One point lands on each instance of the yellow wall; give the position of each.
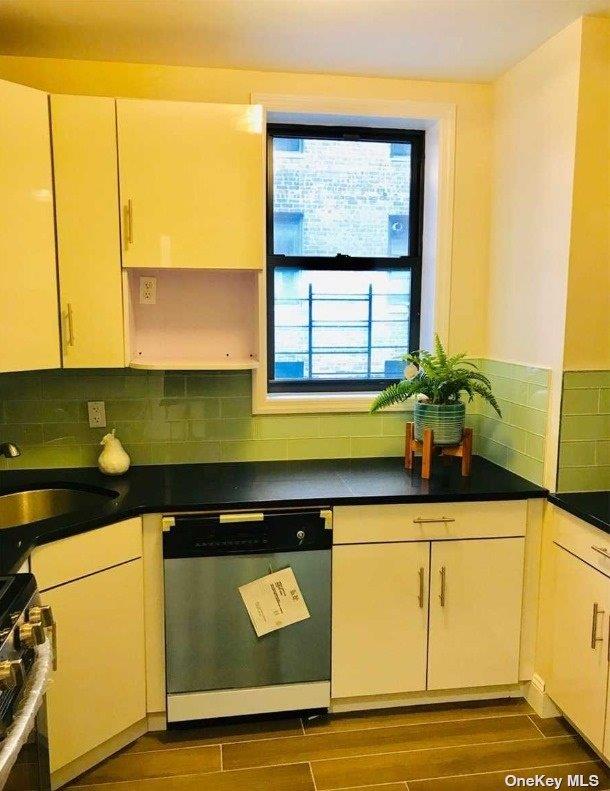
(473, 143)
(535, 112)
(587, 337)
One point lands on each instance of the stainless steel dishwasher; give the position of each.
(216, 666)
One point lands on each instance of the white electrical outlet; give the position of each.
(148, 291)
(97, 414)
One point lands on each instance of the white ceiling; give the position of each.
(436, 39)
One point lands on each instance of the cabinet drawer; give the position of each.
(428, 521)
(70, 558)
(580, 538)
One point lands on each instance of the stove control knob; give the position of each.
(11, 673)
(31, 634)
(41, 615)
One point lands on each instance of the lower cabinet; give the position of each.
(96, 591)
(475, 612)
(580, 646)
(380, 618)
(411, 616)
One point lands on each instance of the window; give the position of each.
(343, 257)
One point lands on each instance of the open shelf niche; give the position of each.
(202, 319)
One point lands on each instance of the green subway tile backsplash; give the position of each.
(182, 417)
(584, 450)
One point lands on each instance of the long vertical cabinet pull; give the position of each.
(70, 318)
(128, 212)
(443, 581)
(420, 597)
(594, 638)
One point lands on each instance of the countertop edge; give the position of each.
(581, 513)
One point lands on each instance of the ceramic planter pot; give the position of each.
(445, 420)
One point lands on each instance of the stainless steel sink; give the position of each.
(22, 508)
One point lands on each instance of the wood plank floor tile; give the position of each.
(379, 740)
(296, 777)
(552, 726)
(223, 733)
(164, 763)
(496, 780)
(430, 763)
(414, 715)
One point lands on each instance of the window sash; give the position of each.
(412, 262)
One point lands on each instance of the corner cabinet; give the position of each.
(191, 184)
(88, 241)
(96, 702)
(427, 597)
(580, 647)
(28, 283)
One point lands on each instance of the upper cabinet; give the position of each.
(88, 241)
(28, 282)
(191, 184)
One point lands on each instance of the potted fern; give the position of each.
(438, 382)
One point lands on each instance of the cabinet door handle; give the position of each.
(443, 582)
(70, 323)
(128, 213)
(421, 521)
(594, 638)
(602, 551)
(420, 597)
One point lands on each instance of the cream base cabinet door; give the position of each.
(475, 612)
(579, 669)
(88, 235)
(28, 282)
(99, 687)
(379, 618)
(192, 184)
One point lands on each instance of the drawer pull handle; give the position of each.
(420, 597)
(239, 517)
(594, 638)
(602, 551)
(421, 521)
(442, 596)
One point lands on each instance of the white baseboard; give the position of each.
(539, 700)
(68, 772)
(339, 705)
(157, 721)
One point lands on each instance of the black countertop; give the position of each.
(593, 507)
(188, 487)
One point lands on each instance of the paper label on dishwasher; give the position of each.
(274, 601)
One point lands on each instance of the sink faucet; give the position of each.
(9, 450)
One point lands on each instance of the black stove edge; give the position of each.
(580, 504)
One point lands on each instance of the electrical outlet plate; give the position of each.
(148, 291)
(97, 414)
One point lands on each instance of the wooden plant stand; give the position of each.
(427, 448)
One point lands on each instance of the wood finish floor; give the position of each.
(443, 748)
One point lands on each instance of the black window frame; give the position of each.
(411, 262)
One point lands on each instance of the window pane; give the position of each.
(340, 325)
(345, 192)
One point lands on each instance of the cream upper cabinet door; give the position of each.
(28, 284)
(475, 612)
(99, 687)
(379, 618)
(579, 659)
(88, 234)
(192, 184)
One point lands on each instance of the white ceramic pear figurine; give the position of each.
(113, 460)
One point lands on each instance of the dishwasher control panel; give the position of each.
(194, 535)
